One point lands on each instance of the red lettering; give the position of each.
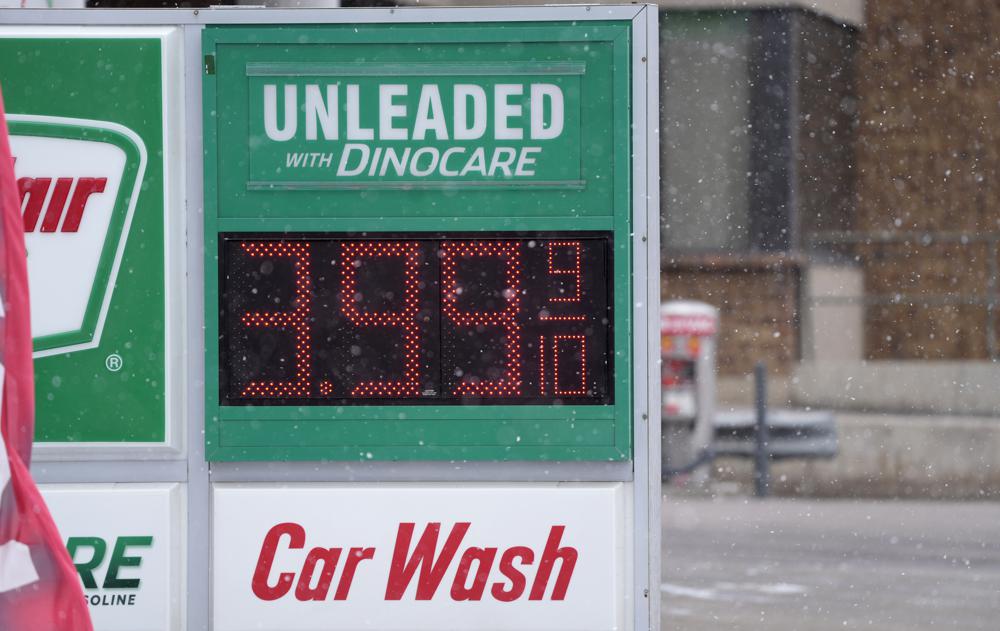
(261, 588)
(56, 205)
(515, 576)
(484, 561)
(425, 562)
(85, 187)
(354, 557)
(431, 571)
(553, 552)
(34, 189)
(329, 558)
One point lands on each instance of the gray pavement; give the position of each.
(817, 565)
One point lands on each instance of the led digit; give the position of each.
(556, 382)
(296, 319)
(354, 254)
(452, 252)
(573, 271)
(541, 365)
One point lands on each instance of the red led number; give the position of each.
(558, 342)
(541, 366)
(353, 256)
(296, 319)
(562, 360)
(559, 350)
(581, 389)
(573, 270)
(452, 254)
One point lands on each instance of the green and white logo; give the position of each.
(101, 192)
(102, 568)
(326, 126)
(78, 181)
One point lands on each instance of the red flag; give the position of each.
(39, 588)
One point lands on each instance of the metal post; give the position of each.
(762, 453)
(992, 285)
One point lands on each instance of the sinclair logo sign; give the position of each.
(414, 125)
(78, 182)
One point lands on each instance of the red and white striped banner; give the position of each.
(39, 588)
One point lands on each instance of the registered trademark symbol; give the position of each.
(113, 362)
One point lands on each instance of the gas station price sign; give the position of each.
(407, 319)
(397, 268)
(418, 242)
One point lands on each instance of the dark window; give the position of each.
(757, 119)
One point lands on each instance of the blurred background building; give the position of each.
(829, 182)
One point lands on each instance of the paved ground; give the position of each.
(782, 565)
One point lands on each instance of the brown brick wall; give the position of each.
(928, 158)
(758, 306)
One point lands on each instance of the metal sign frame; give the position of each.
(188, 464)
(496, 430)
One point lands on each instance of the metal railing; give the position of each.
(766, 435)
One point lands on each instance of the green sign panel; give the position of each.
(85, 117)
(417, 242)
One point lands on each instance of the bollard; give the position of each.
(762, 453)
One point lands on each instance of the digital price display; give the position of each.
(405, 319)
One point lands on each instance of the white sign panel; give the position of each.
(407, 557)
(125, 540)
(69, 192)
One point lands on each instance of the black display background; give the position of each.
(344, 354)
